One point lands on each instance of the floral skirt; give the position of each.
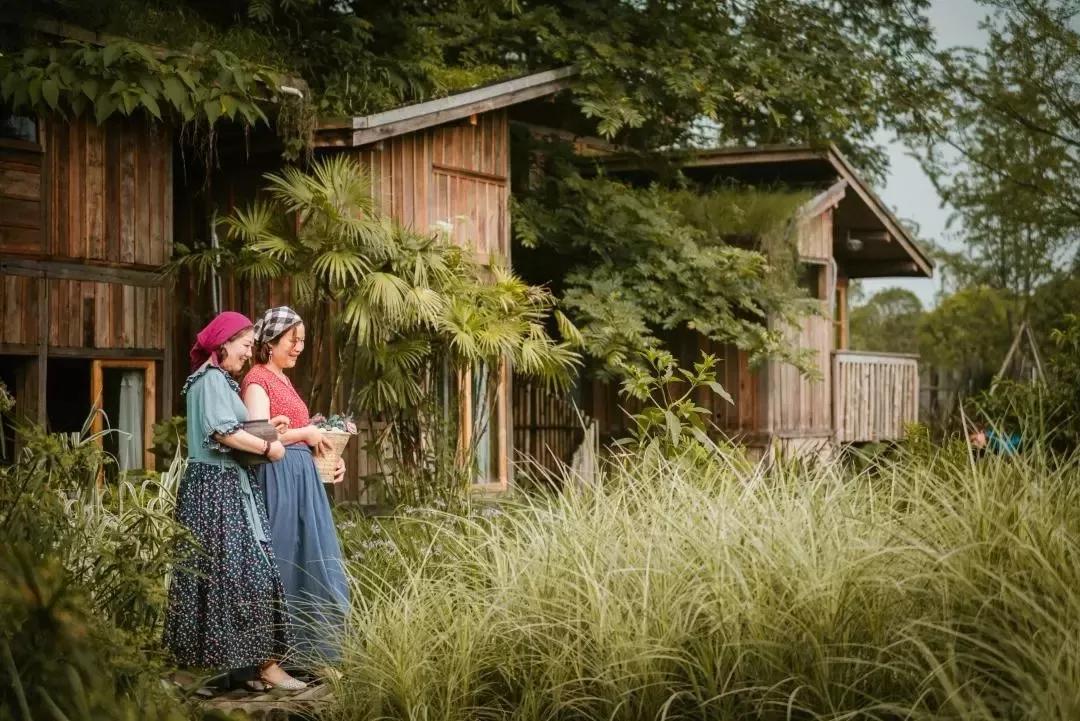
(226, 606)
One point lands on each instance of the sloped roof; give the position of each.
(788, 163)
(365, 129)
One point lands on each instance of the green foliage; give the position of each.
(968, 334)
(199, 86)
(927, 587)
(649, 72)
(671, 420)
(887, 322)
(1000, 137)
(170, 439)
(82, 572)
(633, 263)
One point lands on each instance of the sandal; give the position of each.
(288, 683)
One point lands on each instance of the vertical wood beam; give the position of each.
(43, 347)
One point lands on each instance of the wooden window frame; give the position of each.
(97, 386)
(502, 414)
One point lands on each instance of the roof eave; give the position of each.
(366, 129)
(896, 229)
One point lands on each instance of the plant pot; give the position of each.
(326, 463)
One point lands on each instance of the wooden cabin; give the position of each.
(844, 232)
(445, 160)
(86, 220)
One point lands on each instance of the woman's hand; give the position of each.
(280, 423)
(314, 438)
(339, 472)
(276, 451)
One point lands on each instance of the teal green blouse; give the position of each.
(213, 407)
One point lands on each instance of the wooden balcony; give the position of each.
(874, 395)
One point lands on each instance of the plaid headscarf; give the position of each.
(274, 322)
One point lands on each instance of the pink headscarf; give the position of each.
(218, 331)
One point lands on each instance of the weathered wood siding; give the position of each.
(109, 192)
(21, 212)
(876, 395)
(742, 415)
(92, 200)
(798, 405)
(87, 314)
(548, 426)
(816, 237)
(457, 173)
(19, 310)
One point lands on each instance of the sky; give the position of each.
(907, 190)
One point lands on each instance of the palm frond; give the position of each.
(339, 268)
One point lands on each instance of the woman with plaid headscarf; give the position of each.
(302, 529)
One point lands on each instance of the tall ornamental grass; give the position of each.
(920, 587)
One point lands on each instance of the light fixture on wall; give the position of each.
(853, 244)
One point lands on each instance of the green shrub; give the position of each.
(82, 584)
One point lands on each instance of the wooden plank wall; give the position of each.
(19, 311)
(797, 405)
(86, 314)
(109, 192)
(743, 416)
(816, 236)
(96, 197)
(457, 173)
(876, 396)
(21, 211)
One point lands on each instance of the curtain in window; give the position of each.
(482, 424)
(130, 421)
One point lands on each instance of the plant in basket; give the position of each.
(337, 429)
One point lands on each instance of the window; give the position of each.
(18, 127)
(483, 419)
(813, 278)
(124, 393)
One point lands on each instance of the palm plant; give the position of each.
(399, 310)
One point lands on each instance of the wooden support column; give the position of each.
(43, 348)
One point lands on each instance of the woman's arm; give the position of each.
(308, 434)
(256, 401)
(243, 441)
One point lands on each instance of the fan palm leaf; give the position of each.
(339, 268)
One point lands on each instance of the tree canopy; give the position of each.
(758, 70)
(998, 132)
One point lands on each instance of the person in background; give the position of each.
(226, 607)
(995, 441)
(301, 525)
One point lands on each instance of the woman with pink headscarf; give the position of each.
(226, 608)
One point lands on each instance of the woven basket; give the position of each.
(326, 463)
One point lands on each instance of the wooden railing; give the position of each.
(874, 395)
(548, 428)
